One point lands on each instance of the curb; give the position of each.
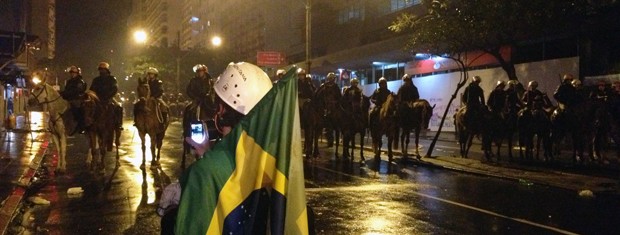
(613, 189)
(12, 202)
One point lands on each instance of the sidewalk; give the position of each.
(21, 154)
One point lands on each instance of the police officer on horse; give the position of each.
(534, 98)
(156, 87)
(106, 87)
(566, 94)
(74, 93)
(408, 92)
(329, 98)
(497, 98)
(200, 88)
(352, 98)
(306, 88)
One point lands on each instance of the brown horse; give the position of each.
(357, 122)
(579, 123)
(532, 123)
(414, 116)
(384, 123)
(149, 121)
(310, 121)
(472, 122)
(99, 118)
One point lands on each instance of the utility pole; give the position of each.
(308, 35)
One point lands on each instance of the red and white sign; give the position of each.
(270, 58)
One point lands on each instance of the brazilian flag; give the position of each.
(252, 181)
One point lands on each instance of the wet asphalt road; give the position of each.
(379, 198)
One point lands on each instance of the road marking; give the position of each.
(373, 187)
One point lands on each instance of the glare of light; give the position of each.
(194, 19)
(36, 80)
(216, 41)
(379, 224)
(123, 99)
(140, 36)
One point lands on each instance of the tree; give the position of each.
(487, 25)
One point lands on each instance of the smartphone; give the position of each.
(198, 135)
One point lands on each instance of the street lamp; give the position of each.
(140, 36)
(216, 41)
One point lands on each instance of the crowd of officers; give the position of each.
(508, 96)
(105, 87)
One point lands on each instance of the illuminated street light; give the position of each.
(36, 80)
(140, 36)
(216, 41)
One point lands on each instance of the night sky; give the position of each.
(88, 30)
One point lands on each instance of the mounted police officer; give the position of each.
(200, 87)
(352, 98)
(305, 88)
(408, 92)
(566, 94)
(329, 97)
(156, 87)
(74, 92)
(534, 98)
(497, 98)
(380, 95)
(513, 98)
(106, 87)
(473, 96)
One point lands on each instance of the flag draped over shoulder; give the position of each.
(254, 173)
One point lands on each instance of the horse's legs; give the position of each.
(143, 147)
(417, 142)
(362, 135)
(153, 149)
(470, 139)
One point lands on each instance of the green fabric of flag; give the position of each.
(224, 192)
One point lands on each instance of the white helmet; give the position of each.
(242, 85)
(199, 67)
(152, 70)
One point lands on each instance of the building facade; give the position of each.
(160, 19)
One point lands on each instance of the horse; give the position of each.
(475, 121)
(149, 121)
(44, 95)
(99, 118)
(578, 123)
(384, 123)
(310, 119)
(356, 123)
(414, 116)
(534, 122)
(203, 111)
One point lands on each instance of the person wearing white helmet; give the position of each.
(352, 98)
(238, 89)
(566, 94)
(408, 92)
(534, 98)
(200, 89)
(497, 98)
(106, 87)
(328, 97)
(156, 88)
(306, 89)
(513, 98)
(74, 92)
(473, 96)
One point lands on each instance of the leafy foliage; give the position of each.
(452, 26)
